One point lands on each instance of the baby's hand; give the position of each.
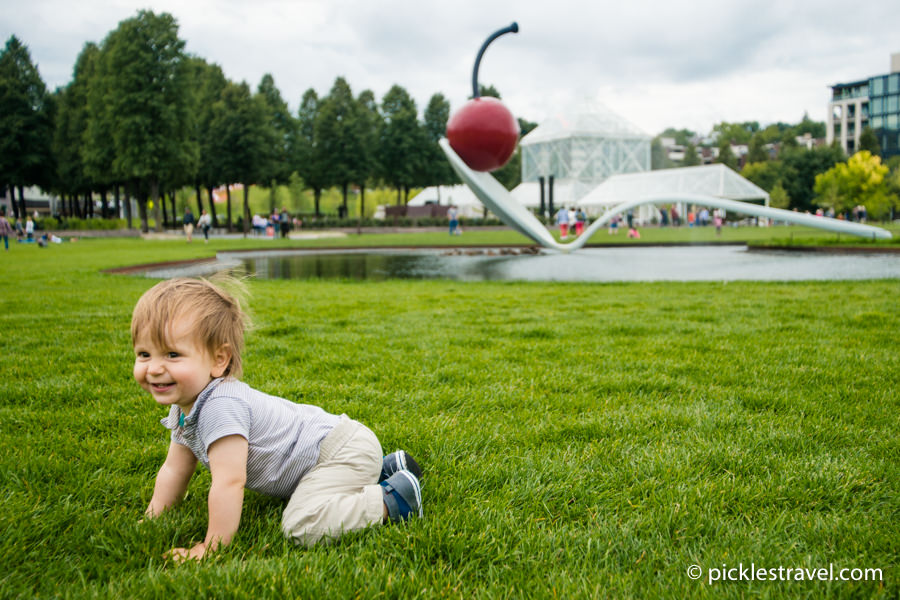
(180, 555)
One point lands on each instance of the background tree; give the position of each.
(367, 165)
(860, 180)
(801, 167)
(437, 169)
(147, 104)
(307, 158)
(757, 151)
(398, 140)
(26, 127)
(209, 85)
(277, 168)
(340, 138)
(726, 155)
(243, 135)
(778, 197)
(868, 140)
(691, 158)
(736, 133)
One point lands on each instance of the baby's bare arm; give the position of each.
(172, 479)
(228, 466)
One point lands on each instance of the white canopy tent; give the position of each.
(460, 196)
(716, 180)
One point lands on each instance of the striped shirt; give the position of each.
(283, 437)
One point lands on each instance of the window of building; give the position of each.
(893, 83)
(877, 86)
(890, 121)
(876, 122)
(891, 104)
(877, 105)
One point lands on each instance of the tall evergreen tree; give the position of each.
(147, 99)
(277, 166)
(368, 122)
(437, 170)
(398, 136)
(340, 137)
(310, 166)
(243, 133)
(26, 128)
(209, 85)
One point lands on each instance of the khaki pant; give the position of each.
(341, 493)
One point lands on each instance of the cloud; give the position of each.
(657, 62)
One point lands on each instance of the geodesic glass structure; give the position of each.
(582, 147)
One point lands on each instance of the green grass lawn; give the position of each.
(578, 440)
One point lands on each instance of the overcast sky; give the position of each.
(657, 63)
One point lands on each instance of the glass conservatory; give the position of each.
(580, 147)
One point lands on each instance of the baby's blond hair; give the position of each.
(216, 316)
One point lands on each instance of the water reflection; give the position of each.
(694, 263)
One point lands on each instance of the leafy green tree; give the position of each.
(488, 90)
(691, 158)
(802, 166)
(860, 180)
(726, 155)
(284, 126)
(778, 197)
(209, 85)
(736, 133)
(398, 139)
(868, 141)
(145, 90)
(682, 137)
(815, 129)
(757, 151)
(768, 174)
(243, 134)
(437, 170)
(340, 137)
(26, 128)
(310, 165)
(369, 121)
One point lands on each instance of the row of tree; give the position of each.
(142, 118)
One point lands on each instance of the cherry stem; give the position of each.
(514, 28)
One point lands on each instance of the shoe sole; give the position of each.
(417, 490)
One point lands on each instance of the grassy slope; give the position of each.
(578, 439)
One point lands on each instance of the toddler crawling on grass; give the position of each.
(188, 335)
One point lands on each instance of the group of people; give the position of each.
(204, 223)
(24, 231)
(570, 219)
(280, 222)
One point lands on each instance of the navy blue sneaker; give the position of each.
(398, 461)
(402, 496)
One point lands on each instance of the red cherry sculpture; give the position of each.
(483, 132)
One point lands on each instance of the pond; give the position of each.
(644, 263)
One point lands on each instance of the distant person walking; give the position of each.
(29, 230)
(284, 219)
(453, 216)
(580, 219)
(5, 229)
(205, 223)
(562, 219)
(188, 223)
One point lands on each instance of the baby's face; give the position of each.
(178, 372)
